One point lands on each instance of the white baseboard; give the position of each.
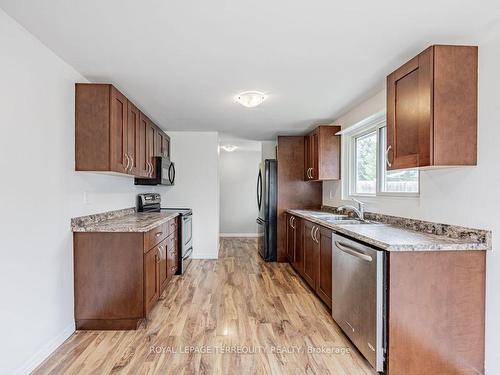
(239, 235)
(42, 354)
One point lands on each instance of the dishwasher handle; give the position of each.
(352, 251)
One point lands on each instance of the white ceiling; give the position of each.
(182, 61)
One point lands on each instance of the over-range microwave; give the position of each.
(165, 173)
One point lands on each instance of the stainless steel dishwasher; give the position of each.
(358, 295)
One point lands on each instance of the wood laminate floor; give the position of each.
(219, 307)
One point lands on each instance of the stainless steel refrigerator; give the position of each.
(267, 188)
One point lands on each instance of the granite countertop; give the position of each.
(121, 221)
(395, 238)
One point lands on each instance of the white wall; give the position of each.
(195, 155)
(40, 193)
(238, 183)
(464, 196)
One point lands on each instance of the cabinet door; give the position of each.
(309, 256)
(162, 250)
(150, 147)
(290, 238)
(118, 132)
(166, 146)
(158, 142)
(307, 157)
(172, 255)
(409, 113)
(162, 144)
(133, 139)
(151, 278)
(143, 168)
(314, 150)
(324, 271)
(298, 264)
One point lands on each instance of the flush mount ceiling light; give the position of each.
(250, 99)
(229, 148)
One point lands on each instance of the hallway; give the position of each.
(234, 315)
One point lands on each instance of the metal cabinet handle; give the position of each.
(312, 177)
(128, 162)
(312, 232)
(150, 169)
(158, 234)
(352, 251)
(309, 175)
(290, 221)
(387, 156)
(315, 235)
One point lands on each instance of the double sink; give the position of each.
(336, 218)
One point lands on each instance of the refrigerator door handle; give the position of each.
(259, 189)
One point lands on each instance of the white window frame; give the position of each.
(369, 125)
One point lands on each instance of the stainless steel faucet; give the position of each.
(360, 211)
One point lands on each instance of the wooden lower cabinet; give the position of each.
(436, 312)
(294, 242)
(120, 276)
(312, 249)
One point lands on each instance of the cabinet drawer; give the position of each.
(155, 236)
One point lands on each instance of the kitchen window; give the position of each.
(368, 174)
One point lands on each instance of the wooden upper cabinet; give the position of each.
(432, 109)
(322, 154)
(112, 135)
